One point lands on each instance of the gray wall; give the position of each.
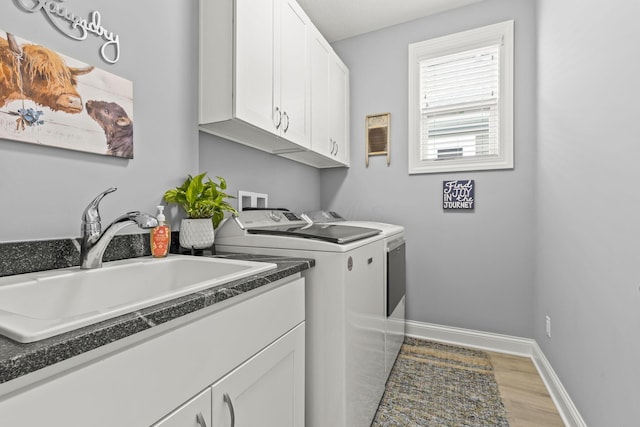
(288, 184)
(471, 270)
(561, 208)
(43, 190)
(587, 277)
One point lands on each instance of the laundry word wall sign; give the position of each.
(458, 194)
(76, 27)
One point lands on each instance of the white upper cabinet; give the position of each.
(255, 67)
(293, 85)
(271, 85)
(254, 73)
(320, 52)
(329, 107)
(257, 81)
(339, 109)
(338, 117)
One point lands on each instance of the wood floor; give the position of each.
(523, 393)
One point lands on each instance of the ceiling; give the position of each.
(340, 19)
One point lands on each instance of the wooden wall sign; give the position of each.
(378, 130)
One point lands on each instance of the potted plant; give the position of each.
(205, 205)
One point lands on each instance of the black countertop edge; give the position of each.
(18, 359)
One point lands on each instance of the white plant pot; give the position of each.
(196, 233)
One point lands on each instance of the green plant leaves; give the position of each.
(202, 199)
(195, 190)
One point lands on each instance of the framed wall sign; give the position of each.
(51, 99)
(378, 136)
(458, 194)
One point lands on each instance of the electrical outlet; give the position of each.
(249, 199)
(548, 326)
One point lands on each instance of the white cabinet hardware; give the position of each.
(194, 413)
(200, 420)
(232, 412)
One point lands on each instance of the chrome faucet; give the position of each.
(94, 242)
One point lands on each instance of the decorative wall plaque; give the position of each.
(50, 99)
(459, 194)
(75, 26)
(378, 129)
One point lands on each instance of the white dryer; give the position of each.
(345, 328)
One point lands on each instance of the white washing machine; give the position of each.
(345, 329)
(394, 299)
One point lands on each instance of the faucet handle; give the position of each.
(91, 213)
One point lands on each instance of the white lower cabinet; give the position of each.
(266, 390)
(250, 348)
(194, 413)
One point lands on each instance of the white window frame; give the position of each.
(501, 33)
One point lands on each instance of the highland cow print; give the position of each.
(44, 99)
(39, 74)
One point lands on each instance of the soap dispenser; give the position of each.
(160, 236)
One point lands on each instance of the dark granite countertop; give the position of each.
(18, 359)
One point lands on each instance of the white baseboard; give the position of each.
(567, 409)
(504, 344)
(470, 338)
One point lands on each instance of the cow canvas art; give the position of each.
(50, 99)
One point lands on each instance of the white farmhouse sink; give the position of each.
(39, 305)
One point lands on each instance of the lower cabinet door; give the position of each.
(267, 390)
(195, 413)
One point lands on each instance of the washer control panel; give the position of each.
(269, 217)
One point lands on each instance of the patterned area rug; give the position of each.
(438, 385)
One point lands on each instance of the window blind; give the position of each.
(459, 96)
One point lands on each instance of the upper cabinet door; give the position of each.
(339, 108)
(329, 101)
(255, 65)
(320, 52)
(272, 83)
(292, 80)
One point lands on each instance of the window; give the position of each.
(461, 101)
